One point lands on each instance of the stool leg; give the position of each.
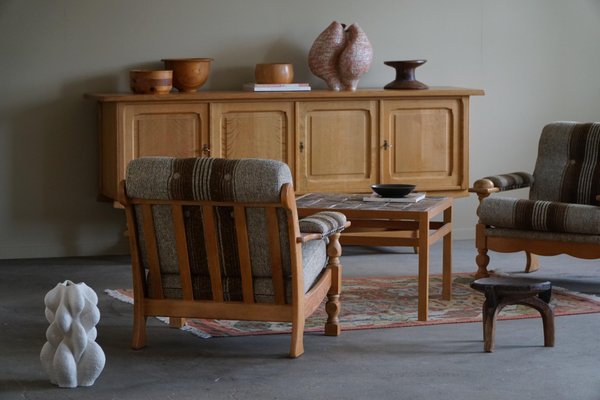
(484, 317)
(490, 312)
(547, 317)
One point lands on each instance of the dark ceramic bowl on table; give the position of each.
(392, 190)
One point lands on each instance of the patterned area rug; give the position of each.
(391, 302)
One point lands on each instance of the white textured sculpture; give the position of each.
(71, 357)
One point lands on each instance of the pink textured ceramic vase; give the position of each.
(356, 57)
(340, 56)
(324, 53)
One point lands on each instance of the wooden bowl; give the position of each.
(274, 73)
(189, 74)
(150, 82)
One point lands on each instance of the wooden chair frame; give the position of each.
(302, 304)
(531, 247)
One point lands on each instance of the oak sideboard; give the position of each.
(332, 141)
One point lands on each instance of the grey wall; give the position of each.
(537, 60)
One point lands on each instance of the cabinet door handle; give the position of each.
(206, 150)
(386, 145)
(301, 147)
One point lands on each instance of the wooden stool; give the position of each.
(500, 292)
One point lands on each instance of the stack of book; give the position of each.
(409, 198)
(276, 87)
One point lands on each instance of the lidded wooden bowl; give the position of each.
(150, 82)
(189, 74)
(277, 73)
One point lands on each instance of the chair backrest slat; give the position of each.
(275, 253)
(212, 252)
(185, 276)
(241, 230)
(152, 251)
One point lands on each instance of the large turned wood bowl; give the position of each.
(189, 74)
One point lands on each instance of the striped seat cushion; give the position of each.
(538, 215)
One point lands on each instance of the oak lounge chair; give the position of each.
(561, 215)
(215, 238)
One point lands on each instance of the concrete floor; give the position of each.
(440, 361)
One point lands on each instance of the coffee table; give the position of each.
(386, 224)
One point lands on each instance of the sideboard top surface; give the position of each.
(310, 95)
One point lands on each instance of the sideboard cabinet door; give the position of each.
(177, 130)
(336, 146)
(424, 142)
(252, 130)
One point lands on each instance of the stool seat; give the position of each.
(500, 292)
(512, 284)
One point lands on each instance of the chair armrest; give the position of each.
(324, 223)
(500, 183)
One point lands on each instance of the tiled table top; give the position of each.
(344, 201)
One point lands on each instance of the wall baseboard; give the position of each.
(72, 250)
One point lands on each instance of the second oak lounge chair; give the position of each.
(561, 215)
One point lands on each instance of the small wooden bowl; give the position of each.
(189, 74)
(274, 73)
(150, 82)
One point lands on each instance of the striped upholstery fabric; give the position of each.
(564, 185)
(538, 235)
(515, 180)
(567, 167)
(247, 180)
(325, 222)
(538, 215)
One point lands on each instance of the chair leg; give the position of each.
(176, 322)
(138, 339)
(482, 259)
(297, 346)
(533, 262)
(332, 307)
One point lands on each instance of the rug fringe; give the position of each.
(196, 332)
(119, 296)
(126, 299)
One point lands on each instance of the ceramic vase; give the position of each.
(71, 357)
(340, 56)
(325, 52)
(356, 57)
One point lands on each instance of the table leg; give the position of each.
(447, 258)
(423, 307)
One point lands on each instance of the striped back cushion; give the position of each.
(246, 180)
(568, 163)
